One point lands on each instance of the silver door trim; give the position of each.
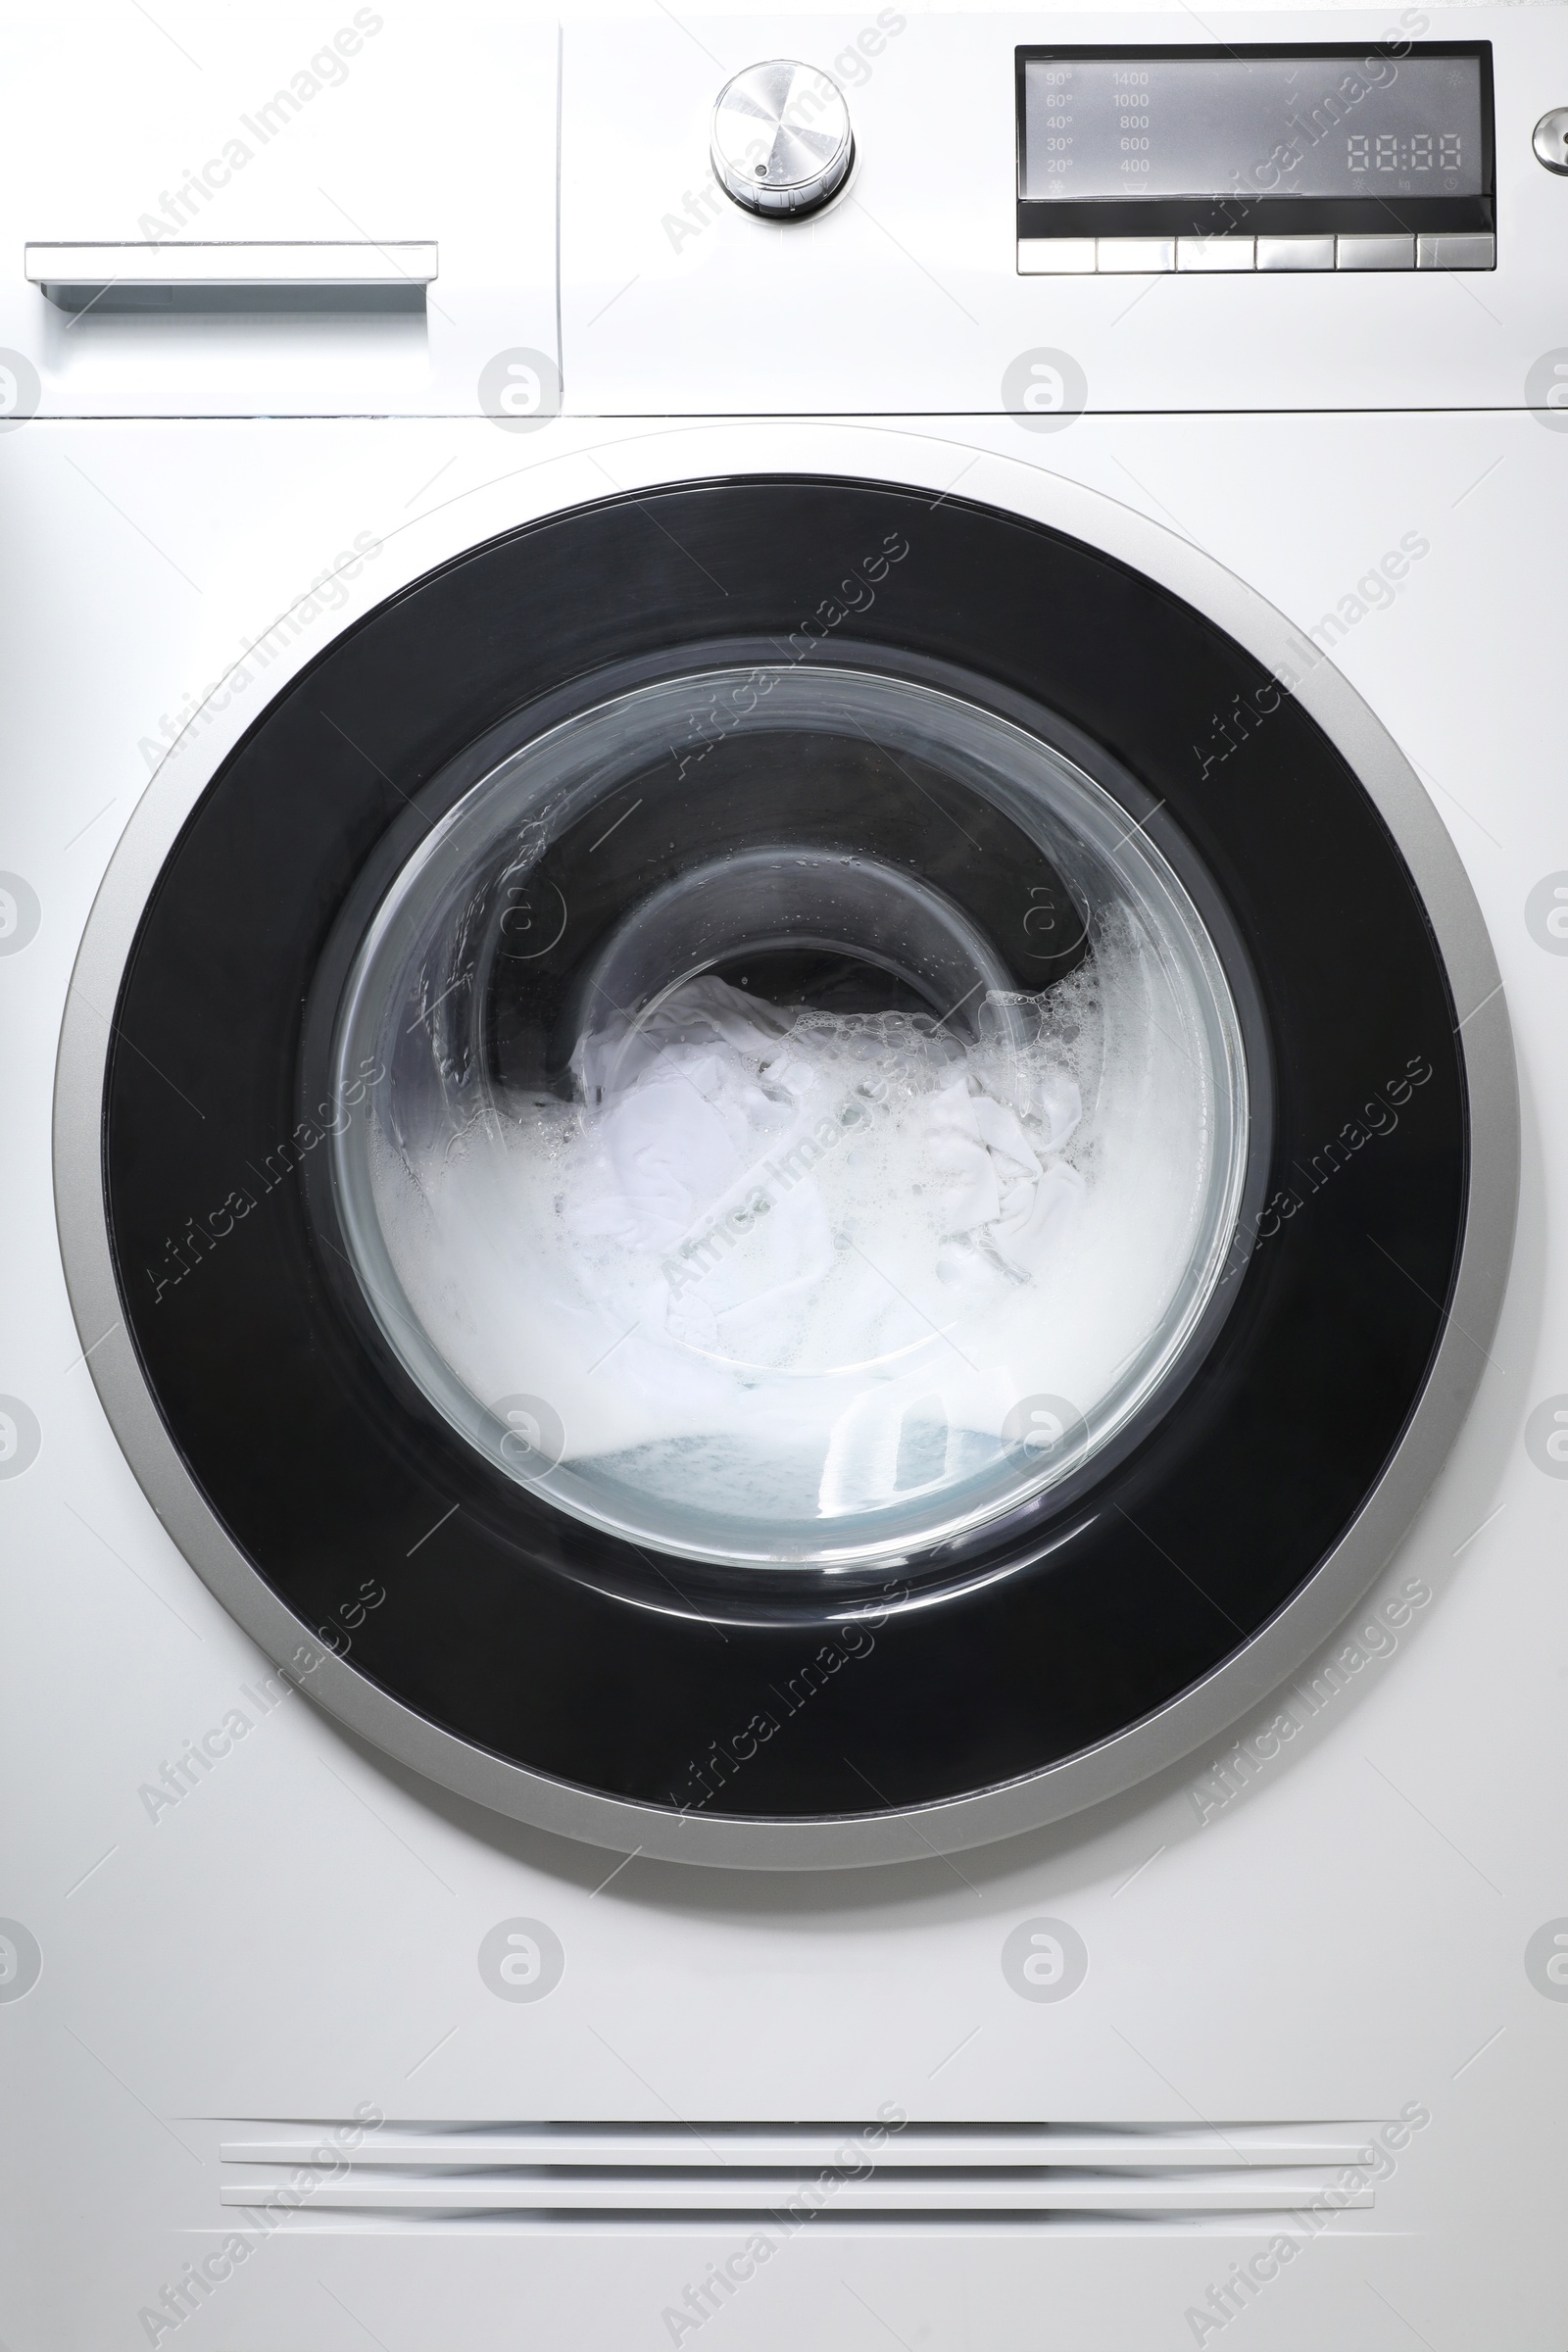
(1201, 1713)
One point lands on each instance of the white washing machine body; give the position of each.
(327, 2018)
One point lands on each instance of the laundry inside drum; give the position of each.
(794, 1141)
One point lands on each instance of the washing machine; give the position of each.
(782, 949)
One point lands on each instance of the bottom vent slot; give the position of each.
(932, 2172)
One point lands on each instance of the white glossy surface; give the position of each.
(1324, 1928)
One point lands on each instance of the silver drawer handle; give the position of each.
(68, 273)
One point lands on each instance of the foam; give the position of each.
(794, 1266)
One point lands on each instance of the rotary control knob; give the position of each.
(1550, 141)
(781, 140)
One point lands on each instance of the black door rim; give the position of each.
(992, 1548)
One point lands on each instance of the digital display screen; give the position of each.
(1353, 124)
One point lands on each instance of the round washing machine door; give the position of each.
(814, 1225)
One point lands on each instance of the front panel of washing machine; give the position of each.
(575, 1089)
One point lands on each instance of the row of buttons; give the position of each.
(1082, 256)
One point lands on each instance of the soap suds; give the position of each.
(788, 1266)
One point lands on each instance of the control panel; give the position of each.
(894, 211)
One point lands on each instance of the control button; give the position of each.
(1453, 252)
(1375, 253)
(1215, 253)
(1141, 254)
(781, 142)
(1055, 257)
(1550, 140)
(1296, 253)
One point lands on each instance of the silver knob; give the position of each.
(1550, 141)
(781, 139)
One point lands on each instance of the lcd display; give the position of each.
(1353, 124)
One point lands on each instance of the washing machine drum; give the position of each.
(753, 1159)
